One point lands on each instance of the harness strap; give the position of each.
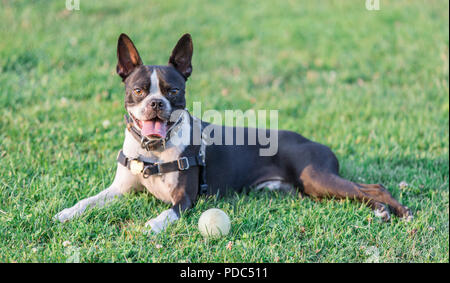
(203, 187)
(138, 166)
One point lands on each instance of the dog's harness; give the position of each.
(141, 166)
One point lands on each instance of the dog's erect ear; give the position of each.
(127, 56)
(182, 55)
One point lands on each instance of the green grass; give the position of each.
(371, 85)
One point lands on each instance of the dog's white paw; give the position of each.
(159, 223)
(66, 214)
(154, 226)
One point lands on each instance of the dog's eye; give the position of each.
(137, 91)
(174, 91)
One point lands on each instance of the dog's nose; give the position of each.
(157, 104)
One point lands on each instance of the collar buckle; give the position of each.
(183, 163)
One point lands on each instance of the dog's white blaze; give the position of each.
(154, 83)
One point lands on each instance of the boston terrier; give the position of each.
(167, 152)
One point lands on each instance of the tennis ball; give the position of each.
(214, 223)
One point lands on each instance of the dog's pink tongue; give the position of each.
(154, 128)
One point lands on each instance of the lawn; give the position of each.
(372, 85)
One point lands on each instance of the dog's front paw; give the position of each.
(157, 224)
(154, 226)
(65, 215)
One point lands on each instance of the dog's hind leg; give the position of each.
(319, 183)
(123, 182)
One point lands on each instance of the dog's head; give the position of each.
(153, 94)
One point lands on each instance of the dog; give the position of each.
(160, 154)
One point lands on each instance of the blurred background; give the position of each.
(372, 85)
(334, 62)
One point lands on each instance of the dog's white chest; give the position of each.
(161, 186)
